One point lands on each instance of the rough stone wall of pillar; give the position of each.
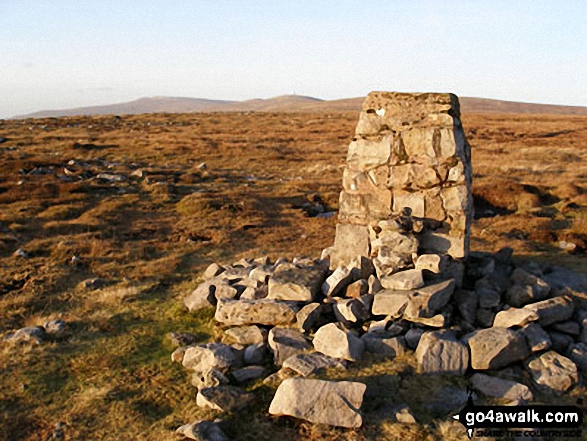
(409, 151)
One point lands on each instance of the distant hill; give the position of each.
(290, 103)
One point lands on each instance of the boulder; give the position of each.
(335, 403)
(514, 317)
(335, 342)
(202, 431)
(499, 388)
(434, 263)
(224, 398)
(385, 347)
(285, 342)
(440, 352)
(552, 372)
(245, 335)
(536, 337)
(262, 312)
(309, 363)
(495, 348)
(350, 311)
(308, 316)
(297, 283)
(428, 301)
(404, 280)
(212, 271)
(553, 310)
(389, 302)
(338, 281)
(203, 358)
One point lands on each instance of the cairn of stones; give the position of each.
(399, 278)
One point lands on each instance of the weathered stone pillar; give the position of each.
(409, 151)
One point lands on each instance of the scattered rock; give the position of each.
(440, 352)
(182, 338)
(209, 378)
(177, 355)
(212, 271)
(55, 327)
(428, 301)
(357, 289)
(254, 354)
(320, 402)
(95, 283)
(404, 280)
(537, 338)
(285, 342)
(514, 317)
(209, 356)
(202, 431)
(552, 372)
(499, 388)
(29, 334)
(553, 310)
(333, 341)
(401, 414)
(308, 317)
(224, 398)
(413, 337)
(338, 281)
(246, 335)
(350, 311)
(495, 348)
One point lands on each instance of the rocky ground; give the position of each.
(108, 223)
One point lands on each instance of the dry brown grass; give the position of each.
(149, 237)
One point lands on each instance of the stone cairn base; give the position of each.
(399, 278)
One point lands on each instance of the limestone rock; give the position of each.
(390, 302)
(489, 292)
(552, 372)
(202, 297)
(28, 334)
(578, 354)
(285, 342)
(434, 263)
(537, 338)
(570, 327)
(386, 347)
(298, 283)
(202, 431)
(527, 288)
(337, 282)
(485, 317)
(320, 402)
(350, 311)
(428, 301)
(254, 353)
(357, 289)
(333, 341)
(209, 378)
(401, 414)
(404, 280)
(499, 388)
(248, 373)
(308, 316)
(212, 271)
(413, 337)
(262, 312)
(467, 302)
(440, 352)
(308, 363)
(514, 317)
(183, 338)
(560, 341)
(495, 348)
(374, 284)
(209, 356)
(55, 327)
(224, 398)
(177, 355)
(245, 335)
(553, 310)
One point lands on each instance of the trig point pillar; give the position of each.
(407, 182)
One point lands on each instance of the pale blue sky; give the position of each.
(70, 53)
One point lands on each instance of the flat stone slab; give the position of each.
(261, 312)
(553, 310)
(306, 364)
(335, 403)
(514, 317)
(404, 280)
(499, 388)
(390, 302)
